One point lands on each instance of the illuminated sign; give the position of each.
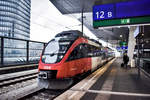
(122, 43)
(123, 13)
(103, 12)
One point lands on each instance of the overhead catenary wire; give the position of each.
(48, 19)
(43, 26)
(52, 21)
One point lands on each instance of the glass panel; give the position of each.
(10, 43)
(35, 50)
(14, 51)
(0, 50)
(34, 45)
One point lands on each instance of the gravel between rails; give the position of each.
(20, 92)
(13, 81)
(16, 86)
(44, 95)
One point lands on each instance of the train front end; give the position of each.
(52, 72)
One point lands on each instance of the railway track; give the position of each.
(49, 94)
(31, 92)
(23, 85)
(30, 89)
(8, 79)
(24, 78)
(43, 94)
(14, 81)
(21, 91)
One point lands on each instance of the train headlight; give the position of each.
(43, 58)
(60, 57)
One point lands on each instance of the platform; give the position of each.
(17, 68)
(110, 82)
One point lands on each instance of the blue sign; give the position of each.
(124, 47)
(118, 48)
(135, 8)
(103, 12)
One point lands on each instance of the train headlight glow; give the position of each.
(60, 57)
(43, 58)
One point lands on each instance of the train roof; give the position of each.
(95, 41)
(75, 33)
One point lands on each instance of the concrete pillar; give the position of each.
(131, 45)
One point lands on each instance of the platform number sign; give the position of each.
(103, 12)
(122, 13)
(103, 15)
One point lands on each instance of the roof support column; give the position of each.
(131, 45)
(82, 20)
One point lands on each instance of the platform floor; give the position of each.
(115, 83)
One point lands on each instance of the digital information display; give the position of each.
(123, 13)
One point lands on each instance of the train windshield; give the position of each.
(55, 50)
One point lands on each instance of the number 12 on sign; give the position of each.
(102, 12)
(104, 15)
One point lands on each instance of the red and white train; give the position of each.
(67, 55)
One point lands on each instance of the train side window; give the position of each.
(81, 51)
(73, 55)
(77, 53)
(84, 50)
(90, 51)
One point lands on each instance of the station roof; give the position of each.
(74, 8)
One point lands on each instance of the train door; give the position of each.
(81, 60)
(78, 58)
(71, 61)
(87, 58)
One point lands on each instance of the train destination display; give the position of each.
(123, 13)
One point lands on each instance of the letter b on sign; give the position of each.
(109, 14)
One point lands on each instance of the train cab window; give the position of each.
(50, 54)
(55, 50)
